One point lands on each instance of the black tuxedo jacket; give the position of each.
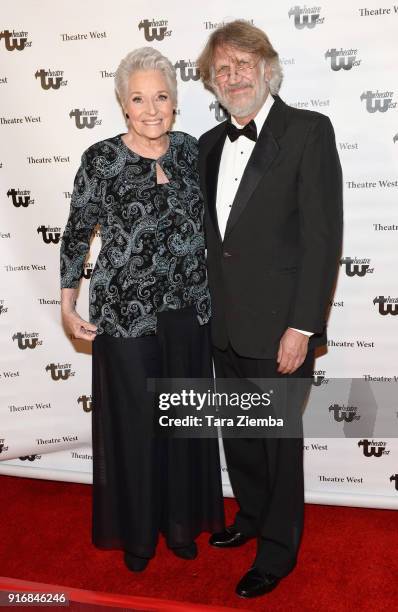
(277, 264)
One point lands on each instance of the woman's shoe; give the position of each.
(186, 552)
(135, 564)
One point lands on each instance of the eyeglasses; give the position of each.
(242, 67)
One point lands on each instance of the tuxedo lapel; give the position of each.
(264, 153)
(212, 169)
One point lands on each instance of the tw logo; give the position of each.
(219, 112)
(376, 101)
(386, 305)
(15, 40)
(86, 402)
(304, 17)
(49, 235)
(85, 119)
(29, 457)
(354, 267)
(49, 79)
(20, 197)
(87, 270)
(188, 70)
(342, 59)
(394, 477)
(370, 449)
(59, 372)
(27, 340)
(154, 30)
(318, 378)
(341, 413)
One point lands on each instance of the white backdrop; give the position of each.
(56, 82)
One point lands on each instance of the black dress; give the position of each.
(150, 301)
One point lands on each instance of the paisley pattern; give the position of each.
(152, 256)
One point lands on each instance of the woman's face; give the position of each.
(149, 104)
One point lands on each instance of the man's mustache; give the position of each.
(240, 86)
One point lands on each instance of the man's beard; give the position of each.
(245, 108)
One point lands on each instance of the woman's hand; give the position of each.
(75, 325)
(78, 327)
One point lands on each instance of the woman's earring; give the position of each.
(127, 116)
(174, 111)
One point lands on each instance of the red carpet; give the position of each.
(348, 558)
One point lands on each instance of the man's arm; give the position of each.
(321, 217)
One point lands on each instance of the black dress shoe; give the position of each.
(186, 552)
(254, 584)
(135, 564)
(229, 538)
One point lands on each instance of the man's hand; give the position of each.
(292, 351)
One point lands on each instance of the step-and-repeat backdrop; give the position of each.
(57, 63)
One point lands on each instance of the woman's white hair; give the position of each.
(144, 58)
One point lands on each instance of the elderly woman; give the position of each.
(149, 309)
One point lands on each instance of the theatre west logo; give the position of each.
(188, 70)
(3, 308)
(305, 17)
(3, 446)
(319, 378)
(15, 41)
(86, 402)
(356, 266)
(393, 478)
(372, 448)
(387, 305)
(87, 270)
(20, 197)
(220, 113)
(60, 371)
(30, 457)
(342, 58)
(27, 340)
(378, 100)
(156, 29)
(85, 118)
(344, 413)
(49, 234)
(50, 79)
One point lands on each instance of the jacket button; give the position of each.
(226, 254)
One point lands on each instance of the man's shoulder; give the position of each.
(304, 116)
(207, 138)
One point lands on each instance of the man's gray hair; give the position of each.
(144, 58)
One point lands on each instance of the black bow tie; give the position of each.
(250, 131)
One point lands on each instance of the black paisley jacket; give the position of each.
(152, 256)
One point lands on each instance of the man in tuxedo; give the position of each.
(271, 180)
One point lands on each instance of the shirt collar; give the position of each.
(261, 116)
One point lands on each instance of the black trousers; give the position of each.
(145, 484)
(266, 474)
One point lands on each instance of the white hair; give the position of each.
(275, 81)
(144, 58)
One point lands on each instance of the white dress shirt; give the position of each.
(234, 158)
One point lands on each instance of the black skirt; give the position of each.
(144, 484)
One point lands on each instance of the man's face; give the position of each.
(240, 80)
